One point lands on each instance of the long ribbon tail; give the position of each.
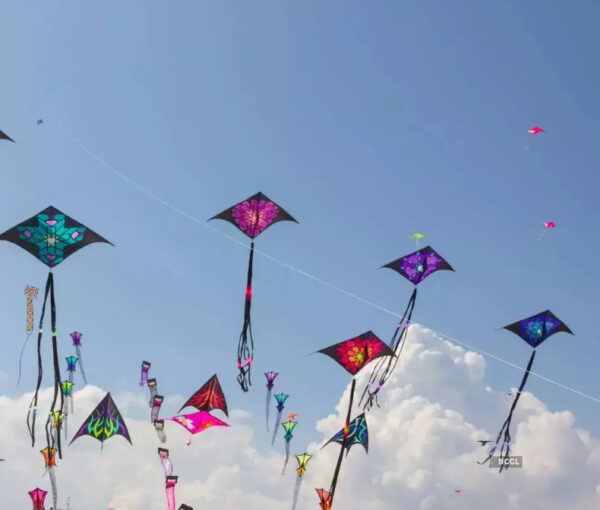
(379, 375)
(505, 430)
(246, 342)
(162, 436)
(153, 392)
(287, 457)
(277, 423)
(296, 492)
(78, 352)
(268, 406)
(53, 484)
(343, 446)
(32, 412)
(171, 498)
(540, 236)
(21, 357)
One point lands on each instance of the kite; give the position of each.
(280, 398)
(166, 463)
(197, 422)
(185, 507)
(415, 267)
(153, 390)
(159, 427)
(4, 136)
(49, 455)
(104, 422)
(57, 419)
(67, 391)
(353, 355)
(30, 294)
(417, 237)
(170, 483)
(324, 499)
(39, 121)
(288, 426)
(71, 366)
(76, 337)
(252, 216)
(156, 404)
(548, 225)
(534, 330)
(302, 462)
(356, 433)
(144, 375)
(270, 383)
(50, 236)
(534, 131)
(38, 496)
(209, 397)
(292, 416)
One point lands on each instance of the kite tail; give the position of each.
(53, 484)
(245, 348)
(162, 436)
(269, 391)
(29, 329)
(21, 356)
(287, 457)
(540, 236)
(170, 491)
(277, 423)
(343, 446)
(380, 375)
(78, 352)
(153, 392)
(505, 430)
(155, 411)
(296, 492)
(32, 412)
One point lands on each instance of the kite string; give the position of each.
(316, 279)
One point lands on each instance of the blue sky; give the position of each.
(366, 121)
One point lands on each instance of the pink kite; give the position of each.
(549, 224)
(198, 422)
(536, 130)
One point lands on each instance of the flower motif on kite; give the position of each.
(51, 236)
(419, 265)
(537, 328)
(254, 215)
(104, 422)
(198, 421)
(355, 353)
(357, 433)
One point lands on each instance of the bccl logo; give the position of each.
(513, 462)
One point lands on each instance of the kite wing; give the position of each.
(418, 265)
(4, 136)
(254, 215)
(353, 354)
(209, 397)
(358, 433)
(537, 328)
(51, 236)
(104, 422)
(197, 422)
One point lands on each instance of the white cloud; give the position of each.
(421, 449)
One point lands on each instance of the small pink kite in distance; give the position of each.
(457, 491)
(549, 224)
(535, 130)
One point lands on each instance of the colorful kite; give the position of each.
(415, 267)
(30, 294)
(104, 422)
(144, 375)
(353, 355)
(280, 398)
(534, 131)
(252, 216)
(165, 462)
(209, 397)
(270, 383)
(49, 455)
(417, 237)
(197, 422)
(4, 136)
(292, 416)
(324, 499)
(156, 404)
(67, 391)
(57, 419)
(38, 496)
(159, 427)
(170, 483)
(302, 462)
(76, 337)
(357, 433)
(152, 386)
(51, 237)
(534, 330)
(548, 225)
(288, 426)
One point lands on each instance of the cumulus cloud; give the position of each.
(421, 449)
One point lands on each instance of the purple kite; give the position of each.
(270, 383)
